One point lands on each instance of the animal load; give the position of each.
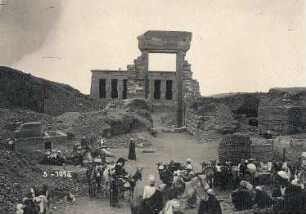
(234, 147)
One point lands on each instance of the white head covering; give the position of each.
(251, 167)
(210, 192)
(189, 167)
(259, 188)
(151, 179)
(283, 175)
(296, 183)
(285, 166)
(188, 160)
(243, 184)
(161, 167)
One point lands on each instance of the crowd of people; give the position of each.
(286, 193)
(282, 192)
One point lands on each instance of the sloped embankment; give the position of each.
(119, 117)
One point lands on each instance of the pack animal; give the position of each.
(91, 175)
(128, 185)
(198, 185)
(106, 179)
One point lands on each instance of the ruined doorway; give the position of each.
(102, 88)
(157, 91)
(162, 62)
(114, 91)
(165, 42)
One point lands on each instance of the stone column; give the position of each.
(151, 89)
(174, 91)
(145, 56)
(162, 90)
(120, 89)
(180, 99)
(95, 84)
(108, 88)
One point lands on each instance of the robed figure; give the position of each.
(132, 150)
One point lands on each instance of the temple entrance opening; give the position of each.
(160, 74)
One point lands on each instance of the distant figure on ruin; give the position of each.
(11, 144)
(132, 150)
(83, 141)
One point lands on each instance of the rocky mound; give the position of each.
(210, 117)
(119, 117)
(18, 175)
(10, 118)
(20, 90)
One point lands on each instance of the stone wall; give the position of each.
(283, 111)
(234, 148)
(58, 106)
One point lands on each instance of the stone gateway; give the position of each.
(160, 87)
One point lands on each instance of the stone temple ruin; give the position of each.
(160, 87)
(30, 137)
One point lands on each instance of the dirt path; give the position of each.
(167, 147)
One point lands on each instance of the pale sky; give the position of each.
(237, 45)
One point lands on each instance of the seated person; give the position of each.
(211, 205)
(262, 199)
(242, 197)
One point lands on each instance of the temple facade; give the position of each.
(160, 87)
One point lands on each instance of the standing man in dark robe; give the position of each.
(132, 150)
(211, 205)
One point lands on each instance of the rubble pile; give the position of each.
(211, 120)
(234, 148)
(119, 117)
(208, 118)
(122, 141)
(10, 119)
(18, 174)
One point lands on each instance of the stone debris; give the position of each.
(234, 148)
(18, 174)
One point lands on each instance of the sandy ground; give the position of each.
(167, 147)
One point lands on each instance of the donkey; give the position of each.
(129, 184)
(91, 175)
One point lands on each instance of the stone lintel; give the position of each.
(164, 41)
